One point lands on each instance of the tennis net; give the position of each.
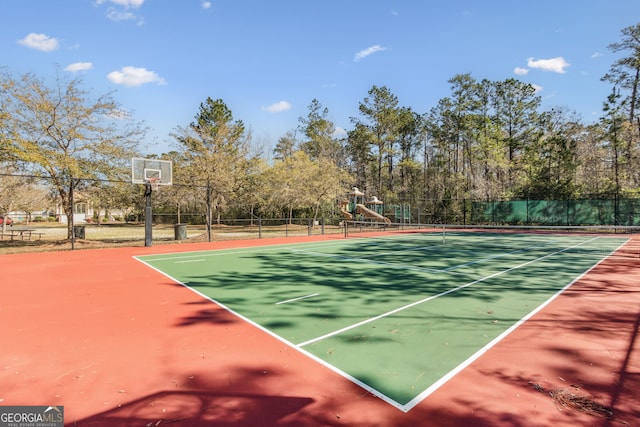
(607, 240)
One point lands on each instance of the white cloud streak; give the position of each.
(40, 42)
(368, 51)
(278, 107)
(556, 65)
(521, 71)
(135, 76)
(116, 15)
(129, 4)
(79, 66)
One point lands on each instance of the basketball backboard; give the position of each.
(144, 170)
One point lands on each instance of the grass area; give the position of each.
(54, 235)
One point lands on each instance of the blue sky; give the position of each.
(268, 59)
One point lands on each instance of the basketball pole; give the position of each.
(148, 215)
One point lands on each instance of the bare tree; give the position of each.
(62, 134)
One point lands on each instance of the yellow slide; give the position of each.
(343, 210)
(368, 213)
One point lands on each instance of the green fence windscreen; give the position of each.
(557, 212)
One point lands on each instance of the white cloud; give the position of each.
(206, 4)
(118, 114)
(79, 66)
(339, 132)
(368, 51)
(40, 42)
(134, 76)
(521, 71)
(556, 65)
(122, 10)
(116, 15)
(278, 107)
(537, 88)
(596, 55)
(129, 4)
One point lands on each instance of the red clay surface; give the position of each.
(118, 344)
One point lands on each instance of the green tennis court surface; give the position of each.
(397, 315)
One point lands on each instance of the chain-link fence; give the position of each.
(588, 211)
(113, 212)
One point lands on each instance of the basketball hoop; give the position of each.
(154, 183)
(151, 185)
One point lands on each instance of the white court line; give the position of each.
(420, 249)
(297, 299)
(492, 257)
(435, 246)
(414, 268)
(209, 253)
(249, 250)
(369, 261)
(189, 260)
(413, 304)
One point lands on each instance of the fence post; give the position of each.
(464, 211)
(208, 201)
(259, 228)
(493, 211)
(73, 233)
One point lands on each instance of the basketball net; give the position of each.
(154, 183)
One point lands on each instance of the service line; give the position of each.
(413, 304)
(297, 299)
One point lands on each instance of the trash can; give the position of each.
(180, 231)
(78, 231)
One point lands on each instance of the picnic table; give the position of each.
(20, 234)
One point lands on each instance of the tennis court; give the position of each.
(402, 313)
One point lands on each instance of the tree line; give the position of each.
(486, 140)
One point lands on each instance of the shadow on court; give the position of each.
(106, 337)
(201, 408)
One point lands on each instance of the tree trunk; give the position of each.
(68, 210)
(634, 97)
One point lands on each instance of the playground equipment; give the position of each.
(355, 205)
